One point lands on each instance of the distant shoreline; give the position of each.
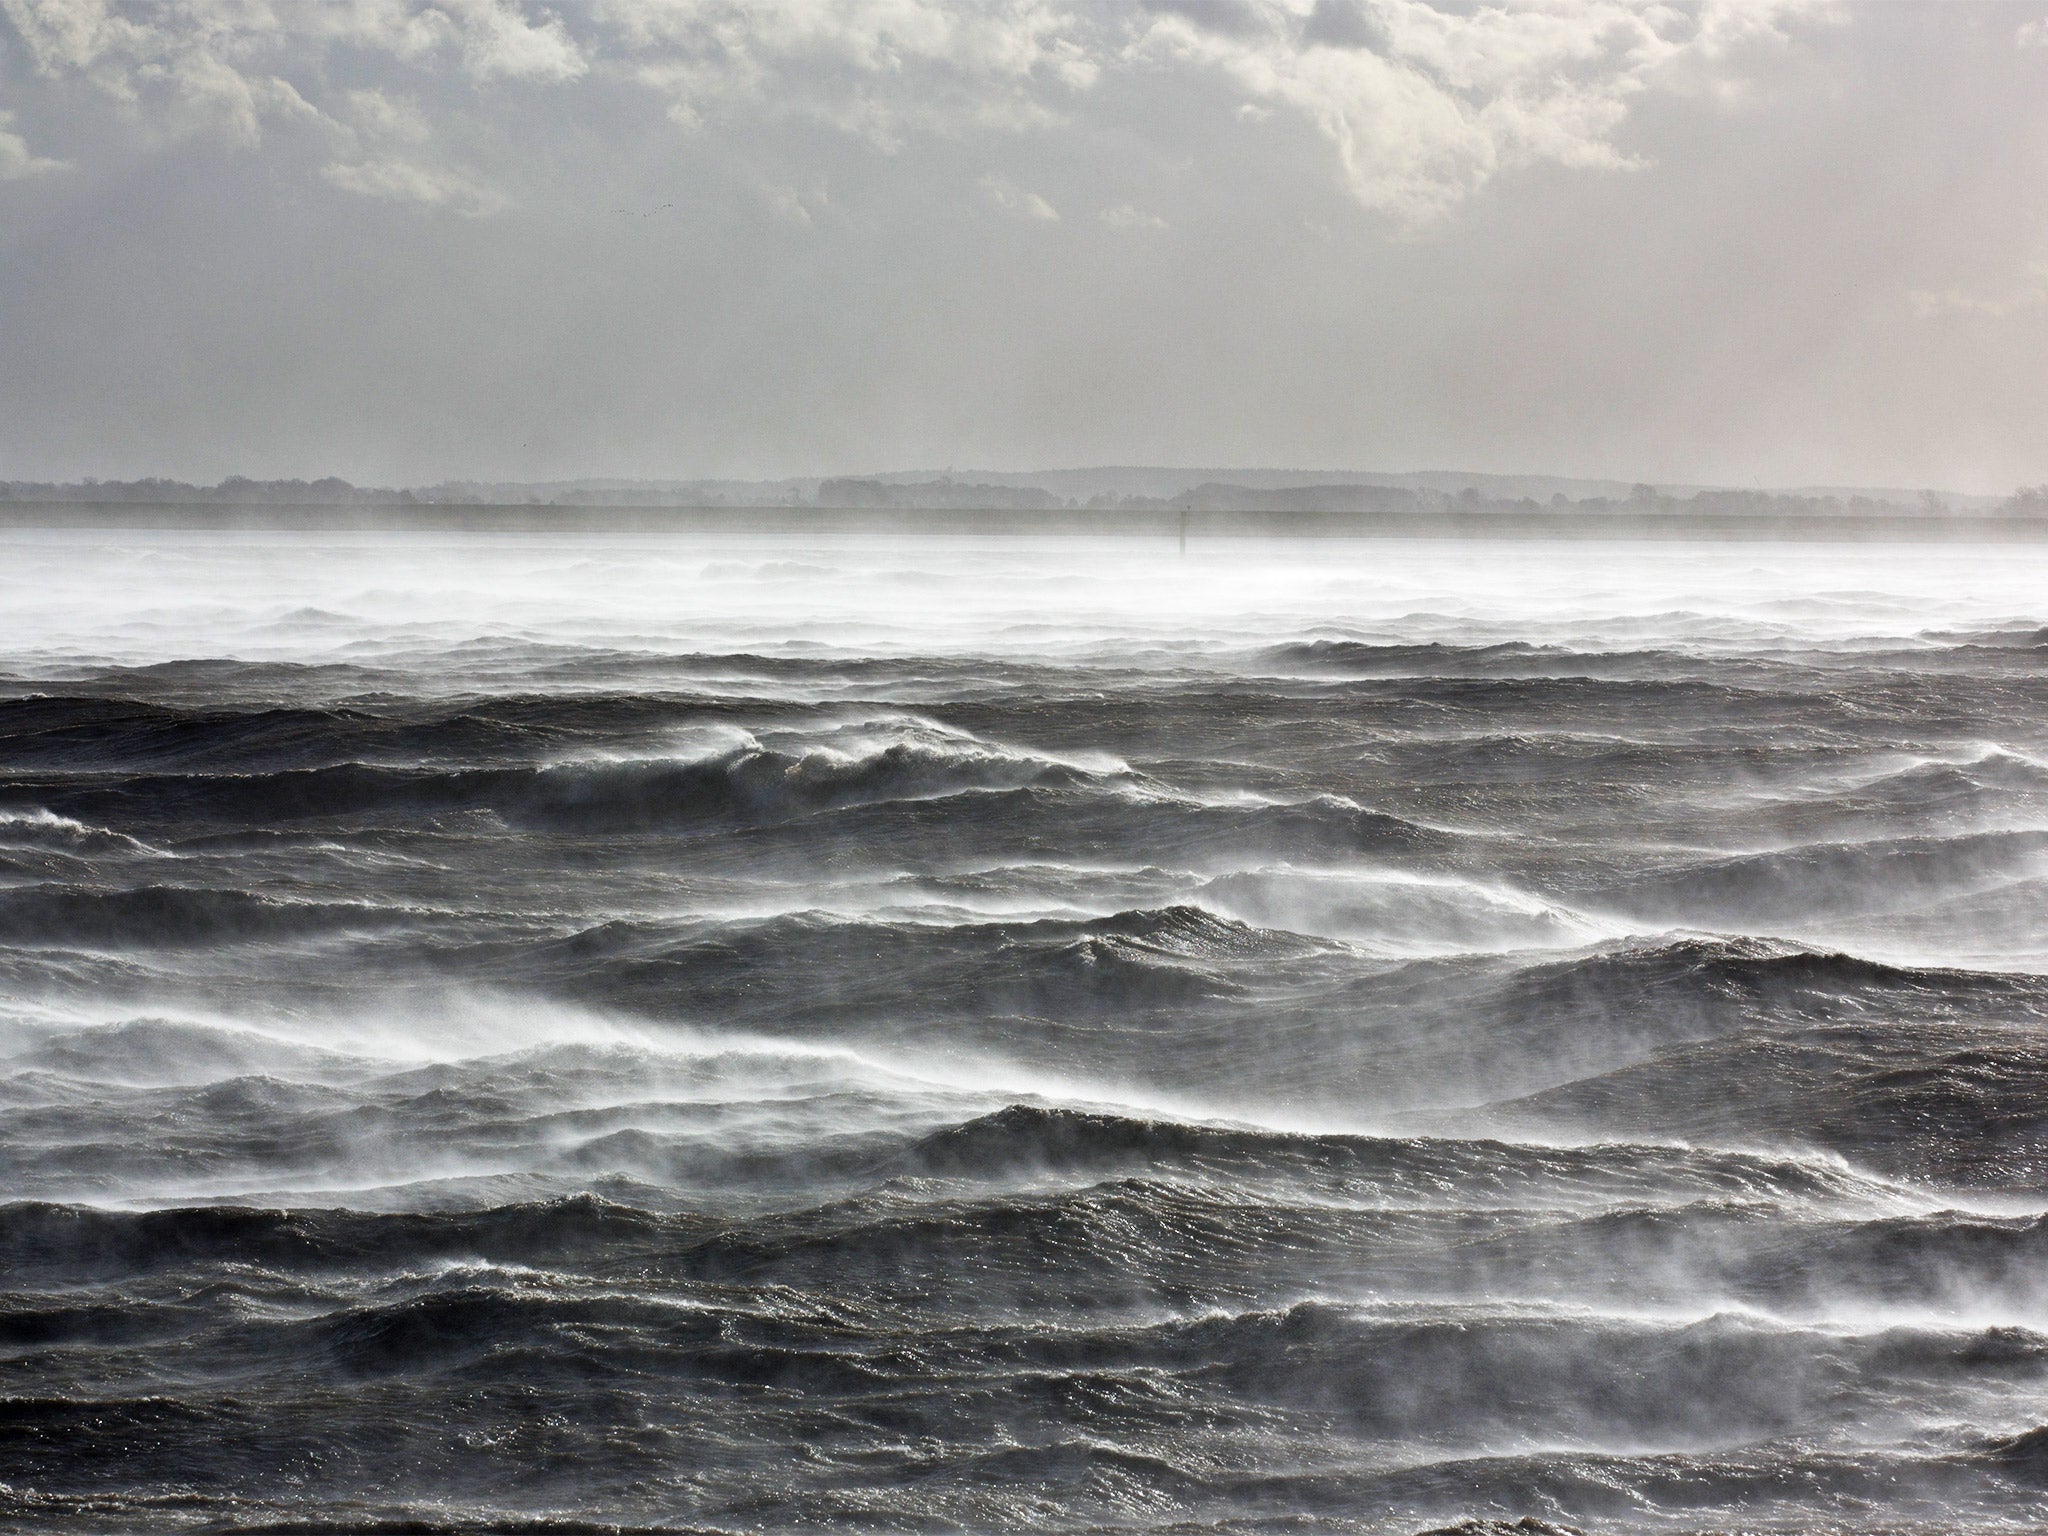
(1069, 522)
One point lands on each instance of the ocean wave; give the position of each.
(34, 827)
(172, 916)
(1432, 658)
(1399, 911)
(1471, 1379)
(740, 785)
(75, 1244)
(1023, 1142)
(1936, 1097)
(1799, 883)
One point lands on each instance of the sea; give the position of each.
(739, 1032)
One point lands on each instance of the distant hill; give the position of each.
(1132, 487)
(946, 492)
(1082, 485)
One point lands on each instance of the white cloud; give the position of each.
(383, 117)
(1016, 201)
(193, 60)
(2032, 34)
(17, 161)
(500, 41)
(408, 181)
(383, 149)
(1422, 103)
(2030, 293)
(1124, 216)
(223, 64)
(1425, 105)
(880, 69)
(793, 206)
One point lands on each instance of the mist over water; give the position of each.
(958, 1034)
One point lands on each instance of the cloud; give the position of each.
(17, 161)
(500, 41)
(189, 65)
(2031, 293)
(384, 150)
(1425, 105)
(1017, 202)
(796, 207)
(380, 116)
(878, 69)
(1421, 103)
(1124, 216)
(407, 181)
(224, 64)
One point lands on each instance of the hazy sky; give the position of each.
(1781, 241)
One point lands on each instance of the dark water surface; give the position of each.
(511, 1033)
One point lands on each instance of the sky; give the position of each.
(1769, 242)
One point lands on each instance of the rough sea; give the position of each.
(558, 1034)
